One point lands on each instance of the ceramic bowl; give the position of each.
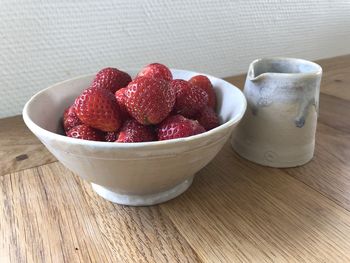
(132, 173)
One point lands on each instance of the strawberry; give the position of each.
(85, 132)
(204, 83)
(121, 99)
(111, 136)
(70, 119)
(189, 99)
(132, 131)
(208, 118)
(156, 70)
(149, 100)
(98, 108)
(177, 126)
(111, 79)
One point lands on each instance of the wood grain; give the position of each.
(19, 148)
(335, 112)
(336, 80)
(235, 211)
(50, 215)
(246, 212)
(329, 171)
(238, 81)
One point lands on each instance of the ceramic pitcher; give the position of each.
(279, 126)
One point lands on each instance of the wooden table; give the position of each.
(235, 210)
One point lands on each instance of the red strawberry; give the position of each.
(132, 131)
(204, 83)
(111, 79)
(156, 70)
(70, 119)
(85, 132)
(208, 118)
(98, 108)
(177, 126)
(111, 136)
(189, 99)
(121, 99)
(149, 100)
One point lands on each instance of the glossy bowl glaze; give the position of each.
(132, 173)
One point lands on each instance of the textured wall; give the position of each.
(44, 42)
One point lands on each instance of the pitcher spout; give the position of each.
(278, 67)
(255, 72)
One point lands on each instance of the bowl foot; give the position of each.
(142, 200)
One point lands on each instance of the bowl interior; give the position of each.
(45, 109)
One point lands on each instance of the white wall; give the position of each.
(43, 42)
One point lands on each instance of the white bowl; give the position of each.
(132, 173)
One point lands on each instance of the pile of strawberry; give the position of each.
(153, 106)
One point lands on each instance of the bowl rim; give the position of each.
(36, 129)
